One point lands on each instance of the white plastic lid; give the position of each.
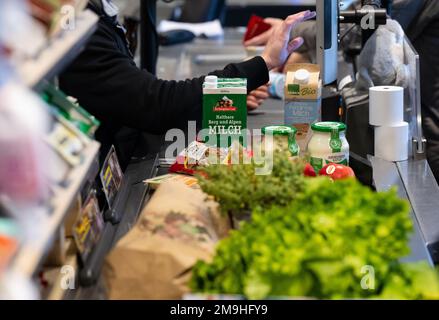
(211, 79)
(301, 76)
(211, 82)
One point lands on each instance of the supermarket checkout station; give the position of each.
(413, 178)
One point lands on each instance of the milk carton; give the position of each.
(303, 92)
(224, 111)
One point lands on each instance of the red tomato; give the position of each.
(309, 171)
(337, 171)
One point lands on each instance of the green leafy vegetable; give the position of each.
(335, 240)
(239, 190)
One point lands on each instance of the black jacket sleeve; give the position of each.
(109, 85)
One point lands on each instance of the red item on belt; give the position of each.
(337, 171)
(255, 27)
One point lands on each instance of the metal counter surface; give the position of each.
(413, 179)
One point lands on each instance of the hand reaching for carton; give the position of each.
(279, 46)
(257, 97)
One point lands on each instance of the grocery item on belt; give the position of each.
(187, 180)
(255, 27)
(198, 154)
(328, 144)
(303, 91)
(277, 85)
(177, 227)
(319, 246)
(337, 171)
(309, 171)
(239, 189)
(283, 139)
(224, 111)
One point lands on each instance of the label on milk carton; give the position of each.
(301, 114)
(302, 82)
(303, 89)
(225, 113)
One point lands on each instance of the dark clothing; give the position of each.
(420, 20)
(125, 99)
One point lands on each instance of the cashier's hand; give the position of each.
(257, 97)
(262, 39)
(279, 47)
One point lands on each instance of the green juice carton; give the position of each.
(224, 111)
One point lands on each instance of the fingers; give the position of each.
(273, 21)
(295, 44)
(254, 99)
(252, 105)
(253, 102)
(295, 19)
(302, 16)
(287, 25)
(259, 40)
(260, 93)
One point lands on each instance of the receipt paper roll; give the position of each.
(386, 105)
(392, 142)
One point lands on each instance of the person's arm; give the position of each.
(113, 89)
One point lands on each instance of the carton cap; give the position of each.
(211, 79)
(211, 82)
(301, 76)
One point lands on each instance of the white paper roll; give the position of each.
(386, 106)
(392, 143)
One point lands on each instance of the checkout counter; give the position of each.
(413, 178)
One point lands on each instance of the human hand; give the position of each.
(295, 57)
(262, 39)
(257, 97)
(279, 47)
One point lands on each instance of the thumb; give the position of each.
(295, 44)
